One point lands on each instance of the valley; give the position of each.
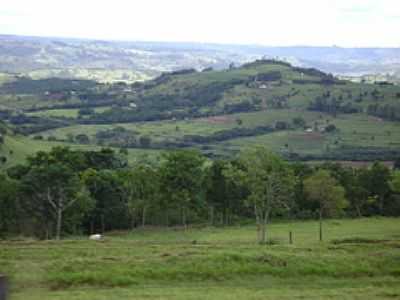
(302, 114)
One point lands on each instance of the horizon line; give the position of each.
(110, 40)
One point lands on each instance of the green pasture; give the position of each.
(359, 259)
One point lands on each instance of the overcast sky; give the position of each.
(346, 23)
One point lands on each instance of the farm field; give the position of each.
(17, 148)
(220, 112)
(359, 259)
(200, 126)
(353, 131)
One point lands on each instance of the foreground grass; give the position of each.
(359, 259)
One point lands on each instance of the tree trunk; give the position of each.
(144, 217)
(264, 222)
(184, 218)
(103, 225)
(381, 203)
(257, 224)
(262, 233)
(320, 225)
(358, 209)
(211, 215)
(133, 221)
(91, 227)
(166, 218)
(59, 222)
(49, 230)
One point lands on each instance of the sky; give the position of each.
(344, 23)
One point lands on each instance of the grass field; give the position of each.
(274, 100)
(67, 113)
(17, 148)
(355, 130)
(359, 259)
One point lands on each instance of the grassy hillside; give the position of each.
(358, 260)
(301, 113)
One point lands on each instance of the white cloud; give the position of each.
(278, 22)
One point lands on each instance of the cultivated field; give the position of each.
(359, 259)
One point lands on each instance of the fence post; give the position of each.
(290, 237)
(3, 287)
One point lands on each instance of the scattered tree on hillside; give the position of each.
(270, 183)
(323, 189)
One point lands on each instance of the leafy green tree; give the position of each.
(106, 188)
(356, 192)
(270, 182)
(8, 205)
(299, 122)
(181, 180)
(395, 182)
(55, 188)
(378, 184)
(222, 195)
(140, 186)
(325, 190)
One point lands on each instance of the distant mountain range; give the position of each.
(41, 57)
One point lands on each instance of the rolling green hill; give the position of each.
(301, 113)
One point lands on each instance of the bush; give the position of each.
(330, 128)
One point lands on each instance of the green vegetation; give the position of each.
(302, 114)
(201, 222)
(184, 224)
(359, 259)
(63, 191)
(100, 75)
(327, 192)
(16, 149)
(64, 113)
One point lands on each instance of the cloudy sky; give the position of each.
(346, 23)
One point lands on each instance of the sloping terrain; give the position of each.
(301, 113)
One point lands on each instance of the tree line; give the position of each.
(65, 192)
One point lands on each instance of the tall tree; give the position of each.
(53, 188)
(325, 190)
(106, 188)
(8, 205)
(140, 186)
(181, 180)
(378, 181)
(222, 195)
(270, 183)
